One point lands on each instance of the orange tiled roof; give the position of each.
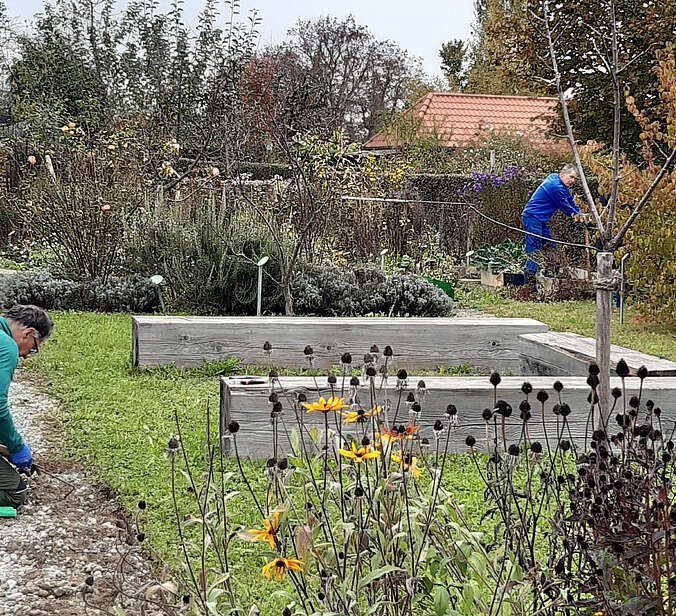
(459, 119)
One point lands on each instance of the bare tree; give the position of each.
(359, 76)
(611, 65)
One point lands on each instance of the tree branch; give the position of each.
(569, 126)
(615, 242)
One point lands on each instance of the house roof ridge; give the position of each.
(502, 96)
(425, 102)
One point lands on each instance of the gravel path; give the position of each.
(62, 537)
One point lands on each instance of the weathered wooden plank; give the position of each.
(418, 343)
(565, 353)
(249, 405)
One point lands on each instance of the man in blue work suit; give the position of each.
(22, 330)
(551, 195)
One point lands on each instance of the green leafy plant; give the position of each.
(508, 256)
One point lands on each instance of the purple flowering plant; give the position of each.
(501, 196)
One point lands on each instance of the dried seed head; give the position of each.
(642, 372)
(410, 397)
(267, 346)
(487, 414)
(451, 410)
(495, 379)
(371, 371)
(593, 381)
(89, 580)
(365, 441)
(599, 435)
(233, 427)
(185, 599)
(536, 447)
(273, 374)
(470, 441)
(616, 393)
(513, 450)
(503, 407)
(141, 505)
(273, 397)
(438, 426)
(140, 537)
(359, 491)
(542, 396)
(526, 388)
(332, 380)
(565, 410)
(271, 462)
(416, 408)
(558, 386)
(374, 349)
(302, 397)
(172, 447)
(354, 381)
(387, 351)
(650, 405)
(421, 384)
(402, 375)
(564, 444)
(345, 358)
(622, 370)
(594, 369)
(634, 402)
(308, 350)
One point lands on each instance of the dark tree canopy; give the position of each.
(514, 37)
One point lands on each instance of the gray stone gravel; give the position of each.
(59, 539)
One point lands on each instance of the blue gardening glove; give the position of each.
(22, 459)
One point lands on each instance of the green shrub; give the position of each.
(207, 255)
(331, 291)
(130, 294)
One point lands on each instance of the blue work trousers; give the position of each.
(533, 244)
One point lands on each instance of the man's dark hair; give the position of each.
(31, 316)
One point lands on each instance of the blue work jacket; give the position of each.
(550, 196)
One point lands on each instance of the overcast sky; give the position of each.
(420, 27)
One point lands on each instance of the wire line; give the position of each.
(475, 209)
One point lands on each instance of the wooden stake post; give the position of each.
(604, 269)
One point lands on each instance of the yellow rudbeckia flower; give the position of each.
(269, 533)
(325, 406)
(407, 463)
(358, 455)
(360, 414)
(279, 566)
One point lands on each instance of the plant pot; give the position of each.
(514, 280)
(488, 279)
(577, 273)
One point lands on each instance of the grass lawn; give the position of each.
(118, 422)
(580, 317)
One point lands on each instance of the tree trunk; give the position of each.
(604, 269)
(288, 300)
